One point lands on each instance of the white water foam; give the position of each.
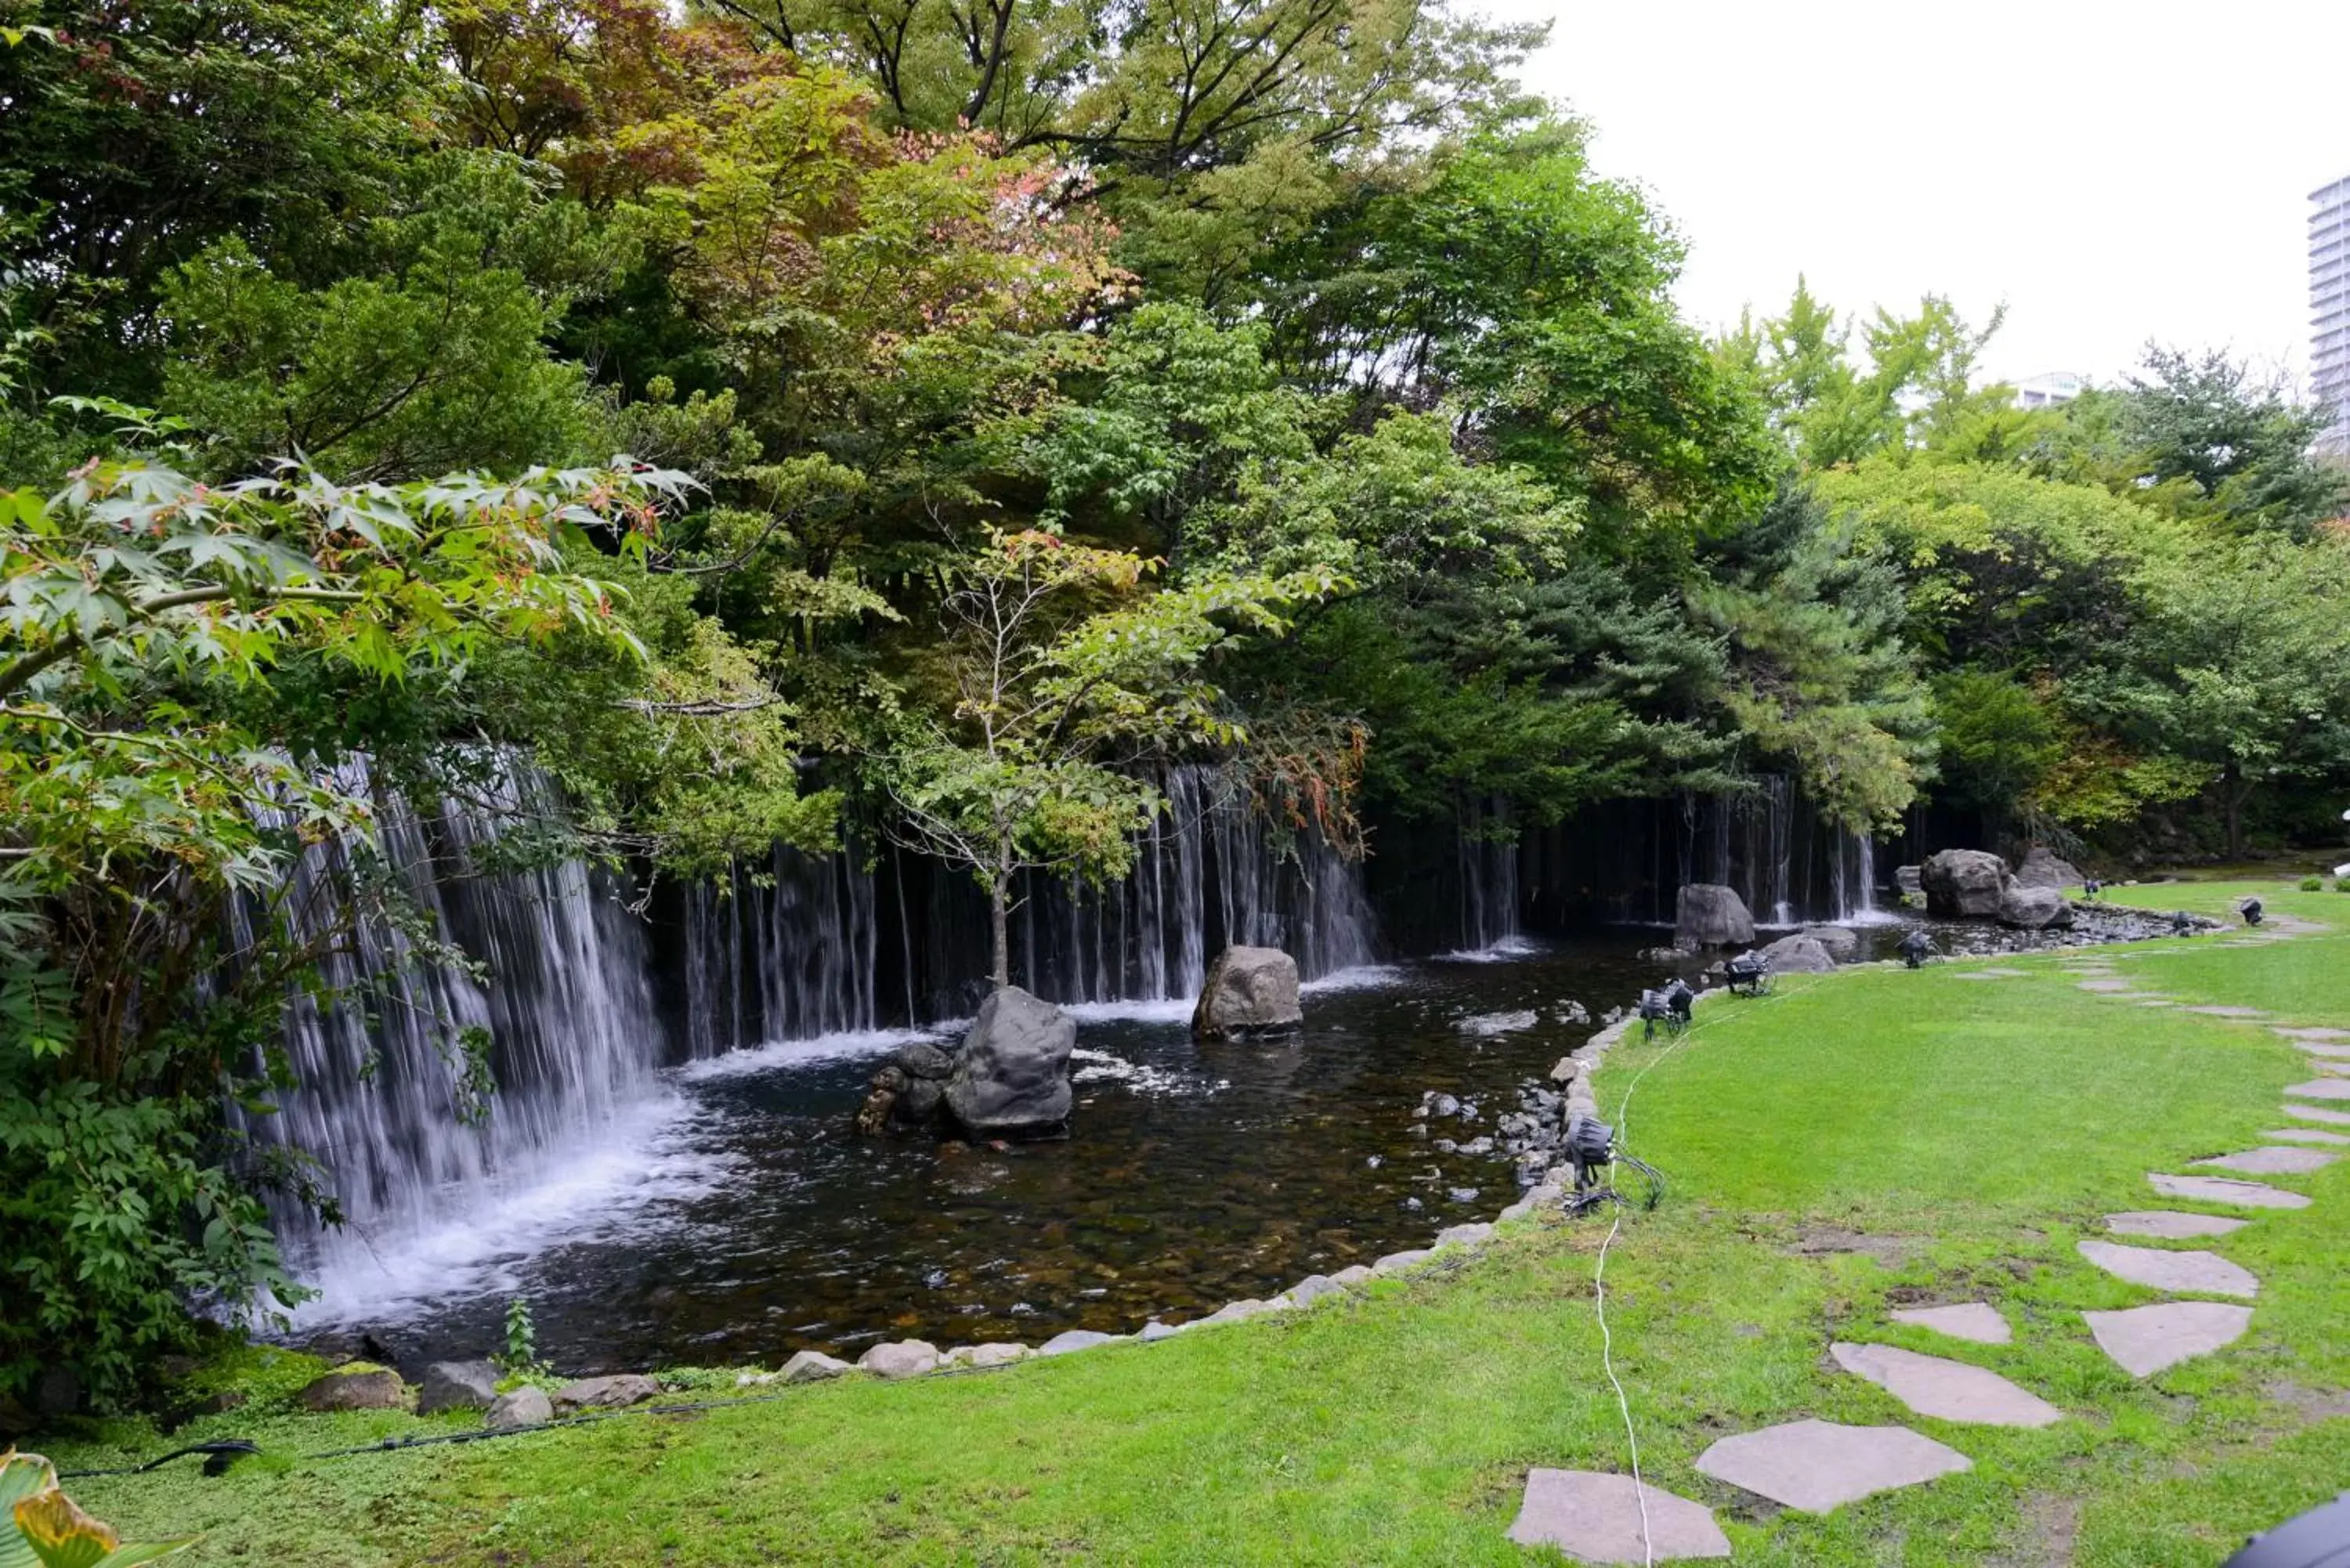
(1156, 1010)
(1501, 951)
(651, 1157)
(1360, 977)
(782, 1056)
(1102, 1067)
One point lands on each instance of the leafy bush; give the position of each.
(40, 1525)
(2312, 884)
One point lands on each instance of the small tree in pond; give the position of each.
(1067, 672)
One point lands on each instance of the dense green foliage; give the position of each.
(1342, 407)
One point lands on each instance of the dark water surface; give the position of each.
(749, 1223)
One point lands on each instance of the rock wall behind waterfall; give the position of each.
(1625, 860)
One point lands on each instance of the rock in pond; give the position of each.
(1963, 884)
(1709, 915)
(522, 1408)
(1250, 993)
(2043, 868)
(614, 1393)
(2034, 908)
(457, 1385)
(901, 1358)
(922, 1059)
(1012, 1076)
(373, 1390)
(1842, 941)
(812, 1366)
(1799, 954)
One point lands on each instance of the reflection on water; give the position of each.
(739, 1221)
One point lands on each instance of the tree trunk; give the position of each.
(999, 911)
(2231, 792)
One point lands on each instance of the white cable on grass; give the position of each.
(1599, 1298)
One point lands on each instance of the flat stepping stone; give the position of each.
(1594, 1517)
(2270, 1161)
(1988, 974)
(1816, 1466)
(1977, 1321)
(2180, 1273)
(2299, 1033)
(2326, 1053)
(2318, 1114)
(2231, 1012)
(2170, 1224)
(1948, 1390)
(2321, 1089)
(2111, 986)
(2222, 1190)
(2145, 1339)
(2305, 1134)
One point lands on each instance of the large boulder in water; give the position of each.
(1709, 915)
(1842, 941)
(1963, 884)
(1799, 954)
(2043, 867)
(1011, 1075)
(2034, 908)
(1251, 993)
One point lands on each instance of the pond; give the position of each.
(737, 1219)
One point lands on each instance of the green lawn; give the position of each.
(1848, 1145)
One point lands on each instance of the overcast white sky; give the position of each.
(2113, 171)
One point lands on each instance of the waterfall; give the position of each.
(790, 953)
(1488, 859)
(375, 1056)
(1212, 870)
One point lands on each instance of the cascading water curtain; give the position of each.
(568, 1007)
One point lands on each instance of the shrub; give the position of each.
(2312, 884)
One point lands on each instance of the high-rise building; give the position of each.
(2329, 307)
(2047, 391)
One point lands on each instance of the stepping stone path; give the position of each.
(2321, 1089)
(1816, 1466)
(1597, 1518)
(2292, 1034)
(2231, 1012)
(2181, 1273)
(2305, 1134)
(2170, 1224)
(2324, 1052)
(2220, 1190)
(1977, 1321)
(2270, 1161)
(2145, 1339)
(2318, 1114)
(2110, 987)
(1951, 1390)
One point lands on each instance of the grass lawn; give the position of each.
(1850, 1145)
